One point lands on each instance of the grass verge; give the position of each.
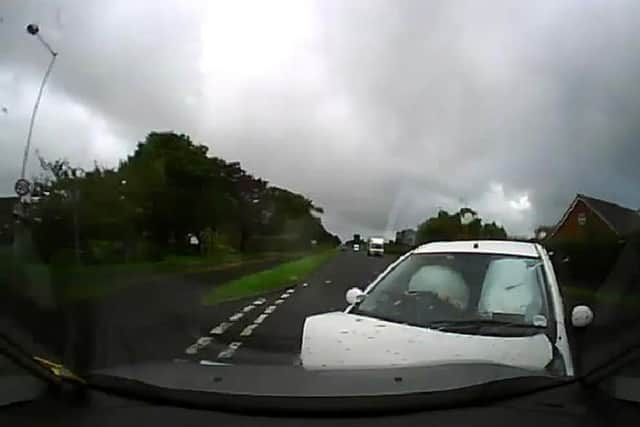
(88, 287)
(267, 280)
(91, 282)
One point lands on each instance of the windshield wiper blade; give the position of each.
(376, 316)
(479, 323)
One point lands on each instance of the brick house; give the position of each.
(589, 220)
(591, 234)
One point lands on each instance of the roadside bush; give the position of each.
(586, 264)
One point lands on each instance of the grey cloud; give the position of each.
(387, 111)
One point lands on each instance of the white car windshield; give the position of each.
(471, 293)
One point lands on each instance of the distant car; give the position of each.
(493, 302)
(356, 247)
(344, 248)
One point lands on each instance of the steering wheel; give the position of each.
(428, 306)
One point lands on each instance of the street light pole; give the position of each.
(34, 30)
(22, 236)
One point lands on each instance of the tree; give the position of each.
(168, 189)
(445, 226)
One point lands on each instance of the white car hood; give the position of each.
(342, 340)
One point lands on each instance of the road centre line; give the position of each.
(236, 317)
(228, 352)
(204, 341)
(199, 344)
(221, 328)
(248, 330)
(260, 319)
(212, 363)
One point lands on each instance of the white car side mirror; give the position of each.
(354, 296)
(581, 316)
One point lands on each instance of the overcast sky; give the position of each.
(380, 111)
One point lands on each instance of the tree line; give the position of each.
(168, 197)
(462, 225)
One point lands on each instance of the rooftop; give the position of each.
(504, 247)
(622, 220)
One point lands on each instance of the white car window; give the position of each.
(511, 286)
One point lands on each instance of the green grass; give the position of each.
(95, 281)
(267, 280)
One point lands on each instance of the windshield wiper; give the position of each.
(364, 313)
(476, 323)
(44, 369)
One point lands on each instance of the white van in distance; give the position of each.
(376, 246)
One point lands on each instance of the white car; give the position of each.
(494, 302)
(356, 247)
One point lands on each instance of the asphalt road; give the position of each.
(268, 330)
(150, 320)
(162, 319)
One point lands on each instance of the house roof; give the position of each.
(621, 220)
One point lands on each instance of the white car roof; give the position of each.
(504, 247)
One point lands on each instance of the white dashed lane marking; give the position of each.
(236, 317)
(221, 328)
(248, 330)
(228, 352)
(212, 363)
(260, 319)
(248, 308)
(201, 343)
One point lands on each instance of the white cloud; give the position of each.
(511, 209)
(64, 128)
